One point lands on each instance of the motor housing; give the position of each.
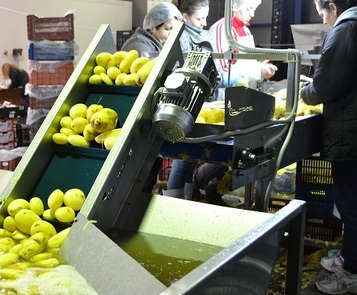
(180, 100)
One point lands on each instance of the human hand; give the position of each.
(268, 69)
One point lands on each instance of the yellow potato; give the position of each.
(78, 124)
(36, 205)
(78, 110)
(99, 69)
(57, 240)
(19, 235)
(93, 108)
(65, 214)
(43, 226)
(16, 205)
(60, 138)
(6, 244)
(6, 232)
(89, 133)
(74, 198)
(67, 131)
(55, 199)
(47, 263)
(126, 63)
(78, 140)
(8, 258)
(95, 79)
(49, 214)
(41, 256)
(24, 220)
(113, 73)
(109, 142)
(66, 122)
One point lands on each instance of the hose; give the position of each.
(288, 55)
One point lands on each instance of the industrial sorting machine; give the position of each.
(237, 248)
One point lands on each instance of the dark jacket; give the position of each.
(18, 78)
(335, 85)
(194, 39)
(142, 41)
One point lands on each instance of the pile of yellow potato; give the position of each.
(211, 116)
(85, 124)
(121, 68)
(62, 206)
(216, 115)
(302, 110)
(27, 240)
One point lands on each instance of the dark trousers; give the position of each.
(344, 175)
(207, 177)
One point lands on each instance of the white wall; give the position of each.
(88, 16)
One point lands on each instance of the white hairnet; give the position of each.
(159, 14)
(239, 4)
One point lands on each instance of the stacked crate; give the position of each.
(122, 36)
(9, 117)
(51, 49)
(314, 185)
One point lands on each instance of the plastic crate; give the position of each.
(44, 91)
(9, 165)
(43, 97)
(50, 28)
(325, 229)
(51, 50)
(314, 185)
(314, 170)
(50, 73)
(122, 36)
(22, 134)
(34, 127)
(165, 169)
(41, 103)
(319, 199)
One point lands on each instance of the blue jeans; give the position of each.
(345, 190)
(181, 172)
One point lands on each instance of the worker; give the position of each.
(334, 85)
(194, 14)
(157, 24)
(15, 77)
(248, 70)
(193, 38)
(150, 39)
(208, 175)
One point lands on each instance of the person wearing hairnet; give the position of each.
(250, 71)
(157, 25)
(208, 175)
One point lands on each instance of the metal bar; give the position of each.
(295, 257)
